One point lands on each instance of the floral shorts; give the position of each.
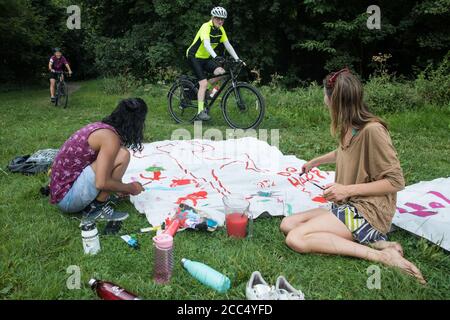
(361, 229)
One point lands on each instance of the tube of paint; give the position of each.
(132, 242)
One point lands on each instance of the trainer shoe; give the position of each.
(102, 212)
(258, 289)
(203, 116)
(285, 291)
(52, 99)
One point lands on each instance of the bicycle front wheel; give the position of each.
(62, 96)
(183, 101)
(243, 106)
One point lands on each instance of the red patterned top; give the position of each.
(74, 155)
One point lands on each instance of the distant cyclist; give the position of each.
(203, 59)
(56, 64)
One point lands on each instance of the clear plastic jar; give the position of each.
(238, 219)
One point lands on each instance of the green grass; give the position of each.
(38, 243)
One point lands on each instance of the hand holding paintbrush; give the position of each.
(311, 181)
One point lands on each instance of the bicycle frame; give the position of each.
(230, 75)
(61, 75)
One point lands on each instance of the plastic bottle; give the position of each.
(163, 258)
(214, 91)
(207, 275)
(91, 241)
(110, 291)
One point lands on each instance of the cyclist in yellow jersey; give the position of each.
(201, 55)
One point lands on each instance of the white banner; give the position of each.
(424, 209)
(200, 173)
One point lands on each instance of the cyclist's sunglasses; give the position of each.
(334, 76)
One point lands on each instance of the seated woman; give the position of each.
(368, 177)
(91, 163)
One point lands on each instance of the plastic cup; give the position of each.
(237, 216)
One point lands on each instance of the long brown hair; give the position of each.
(348, 109)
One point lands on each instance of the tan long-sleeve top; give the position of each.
(370, 156)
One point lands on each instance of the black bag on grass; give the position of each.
(36, 163)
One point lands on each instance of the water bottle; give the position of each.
(163, 258)
(207, 275)
(91, 241)
(214, 91)
(110, 291)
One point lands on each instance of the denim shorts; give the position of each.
(362, 231)
(82, 193)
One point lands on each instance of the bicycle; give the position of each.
(242, 105)
(61, 91)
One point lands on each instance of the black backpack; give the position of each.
(39, 162)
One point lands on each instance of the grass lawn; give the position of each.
(38, 243)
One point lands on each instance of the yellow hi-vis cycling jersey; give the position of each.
(207, 31)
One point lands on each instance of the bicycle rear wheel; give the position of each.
(243, 107)
(182, 98)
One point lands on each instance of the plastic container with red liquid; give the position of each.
(110, 291)
(238, 219)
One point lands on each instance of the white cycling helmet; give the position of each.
(219, 12)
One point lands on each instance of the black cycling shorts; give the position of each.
(53, 75)
(200, 66)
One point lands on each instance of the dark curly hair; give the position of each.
(129, 120)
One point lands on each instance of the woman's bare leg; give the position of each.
(291, 222)
(120, 166)
(327, 234)
(52, 87)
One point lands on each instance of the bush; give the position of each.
(166, 75)
(384, 94)
(277, 97)
(433, 84)
(120, 84)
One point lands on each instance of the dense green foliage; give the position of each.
(300, 40)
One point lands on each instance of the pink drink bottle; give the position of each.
(163, 258)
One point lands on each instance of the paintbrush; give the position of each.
(311, 181)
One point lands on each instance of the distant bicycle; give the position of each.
(62, 90)
(242, 105)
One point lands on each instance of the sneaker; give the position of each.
(203, 116)
(102, 212)
(258, 289)
(52, 99)
(285, 291)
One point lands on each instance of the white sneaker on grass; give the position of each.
(258, 289)
(285, 291)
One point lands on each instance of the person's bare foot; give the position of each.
(394, 259)
(381, 245)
